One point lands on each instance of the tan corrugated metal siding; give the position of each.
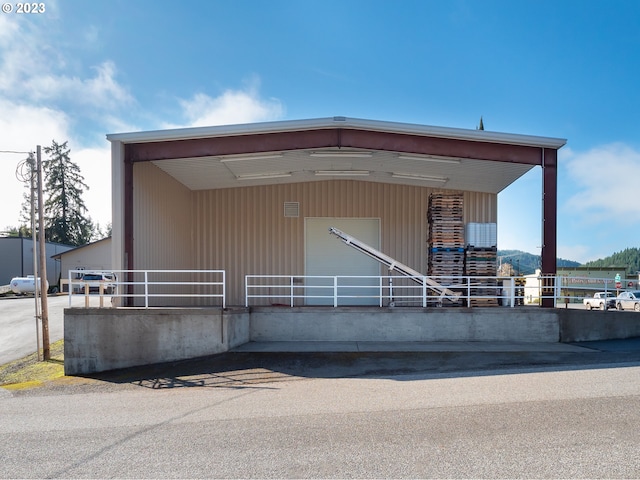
(244, 230)
(162, 227)
(162, 218)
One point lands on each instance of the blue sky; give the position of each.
(567, 69)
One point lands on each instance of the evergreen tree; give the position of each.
(629, 258)
(64, 210)
(100, 233)
(21, 231)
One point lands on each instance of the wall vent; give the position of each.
(291, 209)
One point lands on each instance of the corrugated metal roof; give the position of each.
(308, 165)
(336, 122)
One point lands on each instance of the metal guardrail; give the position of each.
(295, 290)
(146, 284)
(378, 290)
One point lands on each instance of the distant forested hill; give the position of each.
(525, 263)
(629, 258)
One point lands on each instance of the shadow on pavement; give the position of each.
(265, 370)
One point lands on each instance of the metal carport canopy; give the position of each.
(339, 147)
(298, 151)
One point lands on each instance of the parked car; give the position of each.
(600, 300)
(94, 280)
(629, 300)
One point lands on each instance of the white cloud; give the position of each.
(22, 131)
(31, 67)
(15, 63)
(232, 107)
(95, 167)
(101, 91)
(604, 178)
(47, 93)
(25, 125)
(43, 98)
(8, 30)
(599, 215)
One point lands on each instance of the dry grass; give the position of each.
(28, 372)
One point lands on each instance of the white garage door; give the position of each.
(326, 254)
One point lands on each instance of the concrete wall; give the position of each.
(404, 324)
(526, 324)
(581, 326)
(105, 339)
(97, 340)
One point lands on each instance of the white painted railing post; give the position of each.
(335, 291)
(512, 289)
(291, 289)
(146, 289)
(70, 289)
(424, 292)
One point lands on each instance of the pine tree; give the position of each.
(64, 210)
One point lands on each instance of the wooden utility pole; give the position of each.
(46, 350)
(34, 242)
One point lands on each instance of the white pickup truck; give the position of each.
(98, 282)
(600, 300)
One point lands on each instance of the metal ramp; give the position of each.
(393, 264)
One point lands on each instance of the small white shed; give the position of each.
(92, 256)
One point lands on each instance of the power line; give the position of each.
(25, 169)
(13, 151)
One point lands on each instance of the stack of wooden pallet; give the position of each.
(446, 237)
(520, 284)
(479, 263)
(446, 227)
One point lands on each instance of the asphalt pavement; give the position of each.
(18, 336)
(461, 414)
(339, 410)
(258, 362)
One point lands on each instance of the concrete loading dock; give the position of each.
(106, 339)
(245, 199)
